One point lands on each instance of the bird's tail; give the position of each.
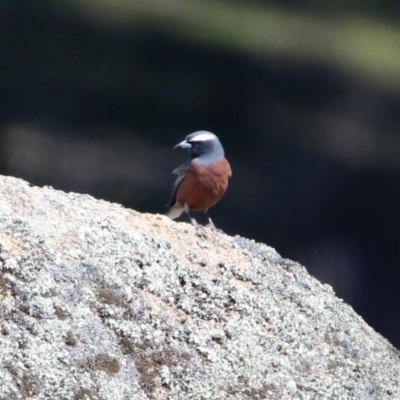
(175, 211)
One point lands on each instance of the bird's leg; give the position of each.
(210, 223)
(192, 220)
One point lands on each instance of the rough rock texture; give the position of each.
(101, 302)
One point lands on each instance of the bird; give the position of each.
(202, 179)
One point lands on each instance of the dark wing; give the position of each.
(180, 171)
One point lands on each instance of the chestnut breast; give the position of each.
(204, 185)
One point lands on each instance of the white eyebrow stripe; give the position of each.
(202, 137)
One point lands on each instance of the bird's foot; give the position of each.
(194, 222)
(211, 224)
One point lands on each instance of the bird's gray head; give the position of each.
(202, 144)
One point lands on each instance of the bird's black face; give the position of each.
(200, 147)
(202, 144)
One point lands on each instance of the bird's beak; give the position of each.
(183, 145)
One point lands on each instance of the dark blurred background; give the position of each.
(305, 97)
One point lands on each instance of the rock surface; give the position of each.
(101, 302)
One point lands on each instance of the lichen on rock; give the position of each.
(101, 302)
